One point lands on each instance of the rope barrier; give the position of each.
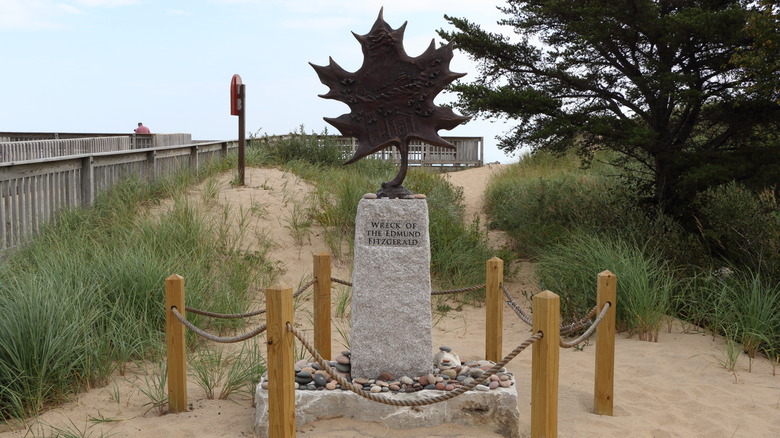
(589, 332)
(224, 315)
(423, 402)
(577, 325)
(210, 337)
(344, 282)
(248, 314)
(458, 291)
(437, 292)
(518, 311)
(565, 329)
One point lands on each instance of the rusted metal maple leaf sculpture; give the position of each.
(391, 97)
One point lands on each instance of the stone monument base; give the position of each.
(496, 407)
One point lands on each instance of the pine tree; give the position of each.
(652, 80)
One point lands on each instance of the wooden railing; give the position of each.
(469, 151)
(18, 146)
(36, 149)
(33, 191)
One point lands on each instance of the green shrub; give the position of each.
(315, 149)
(539, 201)
(742, 227)
(644, 284)
(540, 212)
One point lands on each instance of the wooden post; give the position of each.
(544, 366)
(322, 304)
(194, 159)
(87, 181)
(494, 319)
(281, 388)
(605, 345)
(151, 165)
(176, 340)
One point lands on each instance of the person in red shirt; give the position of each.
(141, 129)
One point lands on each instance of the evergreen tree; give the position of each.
(653, 80)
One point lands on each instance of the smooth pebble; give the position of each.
(320, 380)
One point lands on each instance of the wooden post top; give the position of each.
(546, 295)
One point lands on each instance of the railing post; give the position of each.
(87, 181)
(151, 165)
(175, 337)
(494, 314)
(544, 366)
(605, 345)
(322, 304)
(194, 161)
(281, 388)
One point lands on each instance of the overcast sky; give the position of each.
(104, 65)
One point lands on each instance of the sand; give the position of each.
(676, 387)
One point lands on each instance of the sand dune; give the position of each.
(673, 388)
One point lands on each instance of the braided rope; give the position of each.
(344, 282)
(438, 292)
(224, 315)
(248, 314)
(210, 337)
(518, 311)
(304, 287)
(589, 332)
(577, 325)
(423, 402)
(458, 291)
(565, 329)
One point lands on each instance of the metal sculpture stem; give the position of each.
(394, 189)
(399, 179)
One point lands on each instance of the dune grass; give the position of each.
(746, 309)
(84, 297)
(645, 284)
(578, 222)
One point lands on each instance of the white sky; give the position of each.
(105, 65)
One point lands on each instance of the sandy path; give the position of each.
(673, 388)
(474, 181)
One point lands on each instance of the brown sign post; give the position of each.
(237, 108)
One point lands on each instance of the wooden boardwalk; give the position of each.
(33, 191)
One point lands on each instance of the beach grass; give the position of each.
(721, 275)
(645, 284)
(84, 297)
